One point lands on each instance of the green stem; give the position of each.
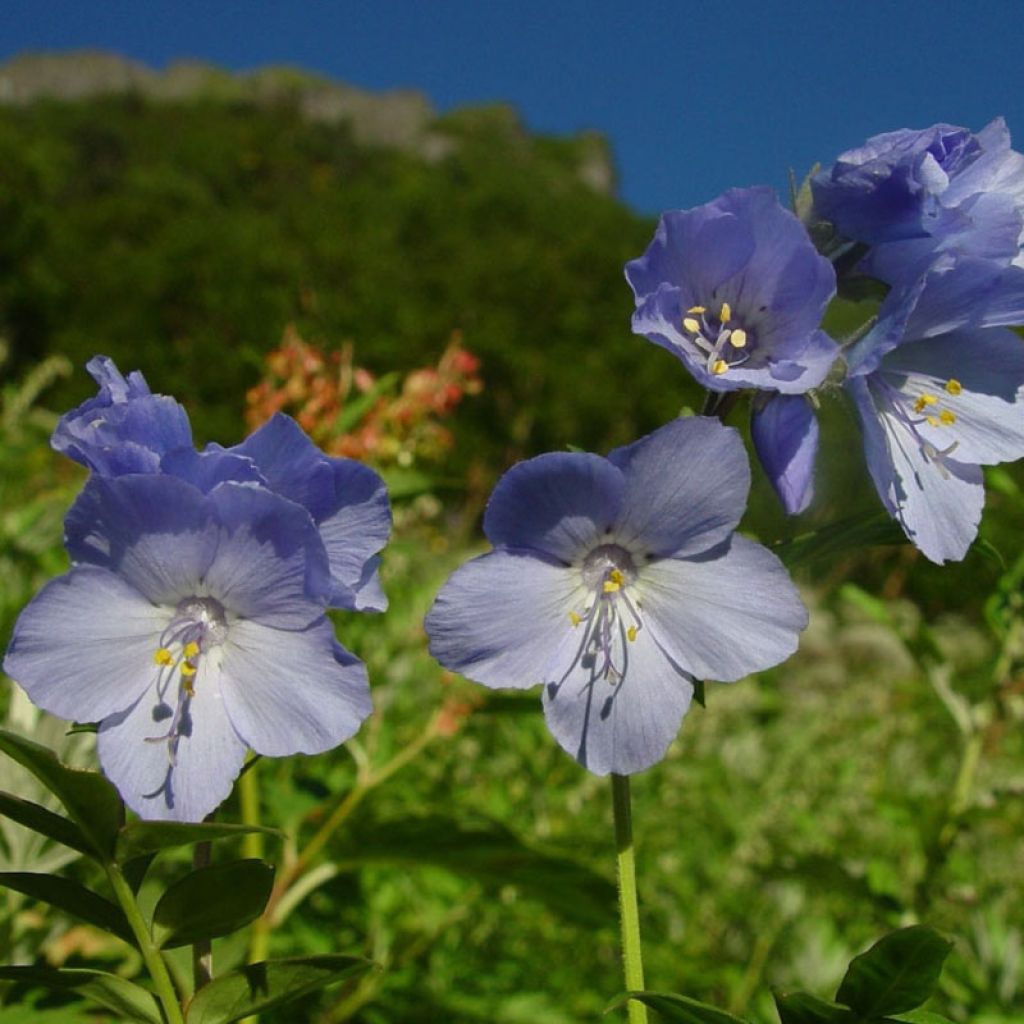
(150, 954)
(628, 909)
(202, 949)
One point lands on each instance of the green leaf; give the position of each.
(212, 901)
(70, 897)
(140, 837)
(490, 854)
(91, 801)
(261, 986)
(838, 537)
(45, 822)
(678, 1008)
(801, 1008)
(898, 973)
(134, 871)
(130, 1002)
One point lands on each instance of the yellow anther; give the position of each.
(933, 421)
(696, 309)
(719, 366)
(738, 338)
(631, 633)
(162, 656)
(947, 417)
(191, 649)
(691, 325)
(616, 577)
(726, 315)
(189, 688)
(187, 670)
(574, 619)
(610, 586)
(923, 401)
(953, 386)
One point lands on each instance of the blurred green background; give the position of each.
(874, 780)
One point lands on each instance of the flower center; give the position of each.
(922, 405)
(610, 619)
(720, 338)
(198, 624)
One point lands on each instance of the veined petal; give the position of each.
(206, 763)
(686, 487)
(155, 531)
(559, 503)
(935, 498)
(987, 367)
(83, 647)
(270, 563)
(723, 616)
(785, 434)
(622, 727)
(292, 692)
(501, 617)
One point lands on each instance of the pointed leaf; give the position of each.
(70, 897)
(678, 1008)
(261, 986)
(212, 901)
(898, 973)
(91, 801)
(801, 1008)
(130, 1002)
(139, 837)
(921, 1017)
(45, 822)
(134, 871)
(838, 537)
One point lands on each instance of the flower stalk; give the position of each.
(629, 912)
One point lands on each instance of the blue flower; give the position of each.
(912, 195)
(938, 385)
(784, 430)
(125, 428)
(191, 627)
(736, 290)
(615, 582)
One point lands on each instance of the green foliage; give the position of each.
(128, 1001)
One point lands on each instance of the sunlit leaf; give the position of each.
(261, 986)
(45, 822)
(212, 901)
(70, 897)
(140, 837)
(920, 1017)
(130, 1002)
(898, 973)
(90, 800)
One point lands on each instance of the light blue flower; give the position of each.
(191, 627)
(938, 385)
(615, 582)
(736, 291)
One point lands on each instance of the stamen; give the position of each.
(932, 421)
(923, 402)
(953, 386)
(738, 338)
(726, 315)
(162, 656)
(188, 670)
(719, 366)
(947, 417)
(191, 649)
(631, 633)
(691, 325)
(697, 309)
(574, 619)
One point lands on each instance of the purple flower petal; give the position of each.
(686, 487)
(292, 692)
(785, 434)
(207, 761)
(724, 616)
(501, 617)
(83, 647)
(559, 503)
(622, 727)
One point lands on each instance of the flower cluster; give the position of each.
(192, 623)
(736, 289)
(349, 412)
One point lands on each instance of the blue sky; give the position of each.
(695, 96)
